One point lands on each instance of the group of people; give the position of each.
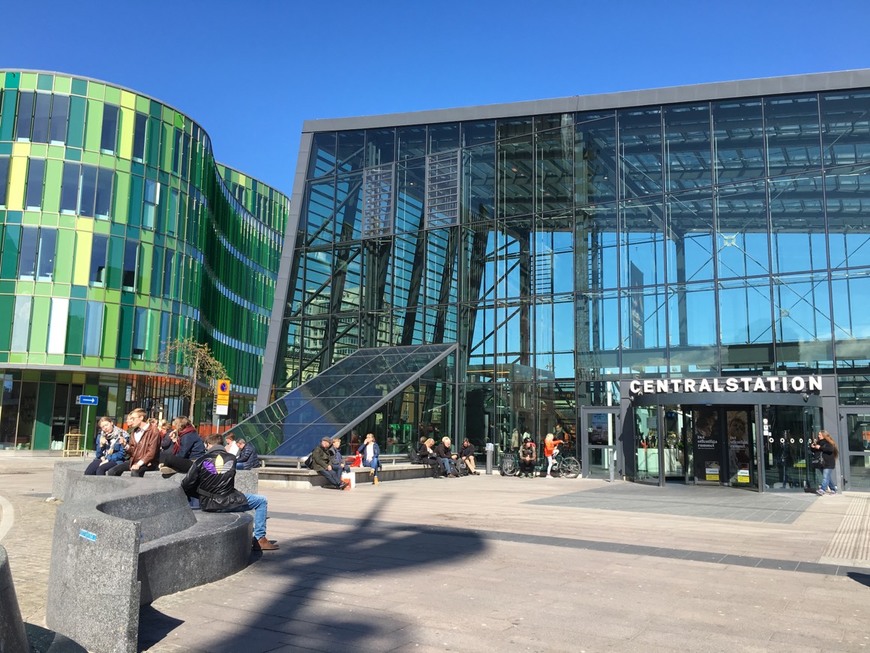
(444, 461)
(528, 454)
(209, 465)
(326, 460)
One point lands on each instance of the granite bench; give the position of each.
(304, 478)
(122, 542)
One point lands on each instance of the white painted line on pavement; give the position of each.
(7, 517)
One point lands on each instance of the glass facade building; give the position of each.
(674, 281)
(119, 232)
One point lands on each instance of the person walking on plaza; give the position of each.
(142, 446)
(826, 445)
(371, 452)
(212, 480)
(550, 444)
(321, 462)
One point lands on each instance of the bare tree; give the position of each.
(196, 362)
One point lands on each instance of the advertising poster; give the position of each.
(708, 451)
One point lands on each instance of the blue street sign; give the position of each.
(87, 400)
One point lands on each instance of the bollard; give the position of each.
(612, 466)
(489, 452)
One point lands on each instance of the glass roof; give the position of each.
(339, 398)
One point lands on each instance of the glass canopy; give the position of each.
(338, 399)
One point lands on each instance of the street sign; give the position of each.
(221, 410)
(87, 400)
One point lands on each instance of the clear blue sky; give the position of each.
(251, 72)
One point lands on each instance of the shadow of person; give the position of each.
(301, 581)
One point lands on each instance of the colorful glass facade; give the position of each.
(119, 232)
(572, 246)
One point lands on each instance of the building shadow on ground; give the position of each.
(306, 610)
(864, 579)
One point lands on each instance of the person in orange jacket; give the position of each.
(550, 444)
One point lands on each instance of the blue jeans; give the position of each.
(447, 464)
(260, 505)
(374, 463)
(827, 480)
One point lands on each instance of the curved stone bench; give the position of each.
(13, 636)
(121, 542)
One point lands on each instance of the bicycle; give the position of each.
(565, 466)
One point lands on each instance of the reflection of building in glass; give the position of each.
(119, 232)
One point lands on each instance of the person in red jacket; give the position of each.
(550, 444)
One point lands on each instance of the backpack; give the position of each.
(309, 462)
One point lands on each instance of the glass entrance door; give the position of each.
(722, 444)
(598, 444)
(855, 434)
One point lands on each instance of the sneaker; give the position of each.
(264, 545)
(167, 471)
(345, 485)
(820, 492)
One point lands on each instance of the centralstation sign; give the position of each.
(811, 383)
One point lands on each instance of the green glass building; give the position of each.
(119, 233)
(673, 280)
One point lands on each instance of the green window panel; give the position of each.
(72, 360)
(28, 82)
(79, 87)
(12, 80)
(7, 118)
(7, 307)
(75, 134)
(44, 82)
(111, 325)
(73, 154)
(11, 245)
(45, 405)
(94, 125)
(152, 149)
(125, 336)
(63, 263)
(136, 194)
(62, 84)
(167, 150)
(51, 194)
(75, 326)
(146, 262)
(96, 91)
(39, 324)
(113, 95)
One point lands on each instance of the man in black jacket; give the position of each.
(247, 458)
(211, 479)
(321, 462)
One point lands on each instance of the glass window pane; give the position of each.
(59, 116)
(25, 115)
(109, 133)
(88, 190)
(99, 249)
(69, 190)
(27, 256)
(21, 323)
(40, 118)
(131, 252)
(792, 129)
(47, 250)
(4, 177)
(93, 329)
(105, 181)
(35, 177)
(139, 136)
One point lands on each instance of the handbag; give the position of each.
(816, 461)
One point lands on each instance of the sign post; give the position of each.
(87, 401)
(222, 397)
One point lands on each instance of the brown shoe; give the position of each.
(345, 485)
(264, 545)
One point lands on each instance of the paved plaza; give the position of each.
(490, 563)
